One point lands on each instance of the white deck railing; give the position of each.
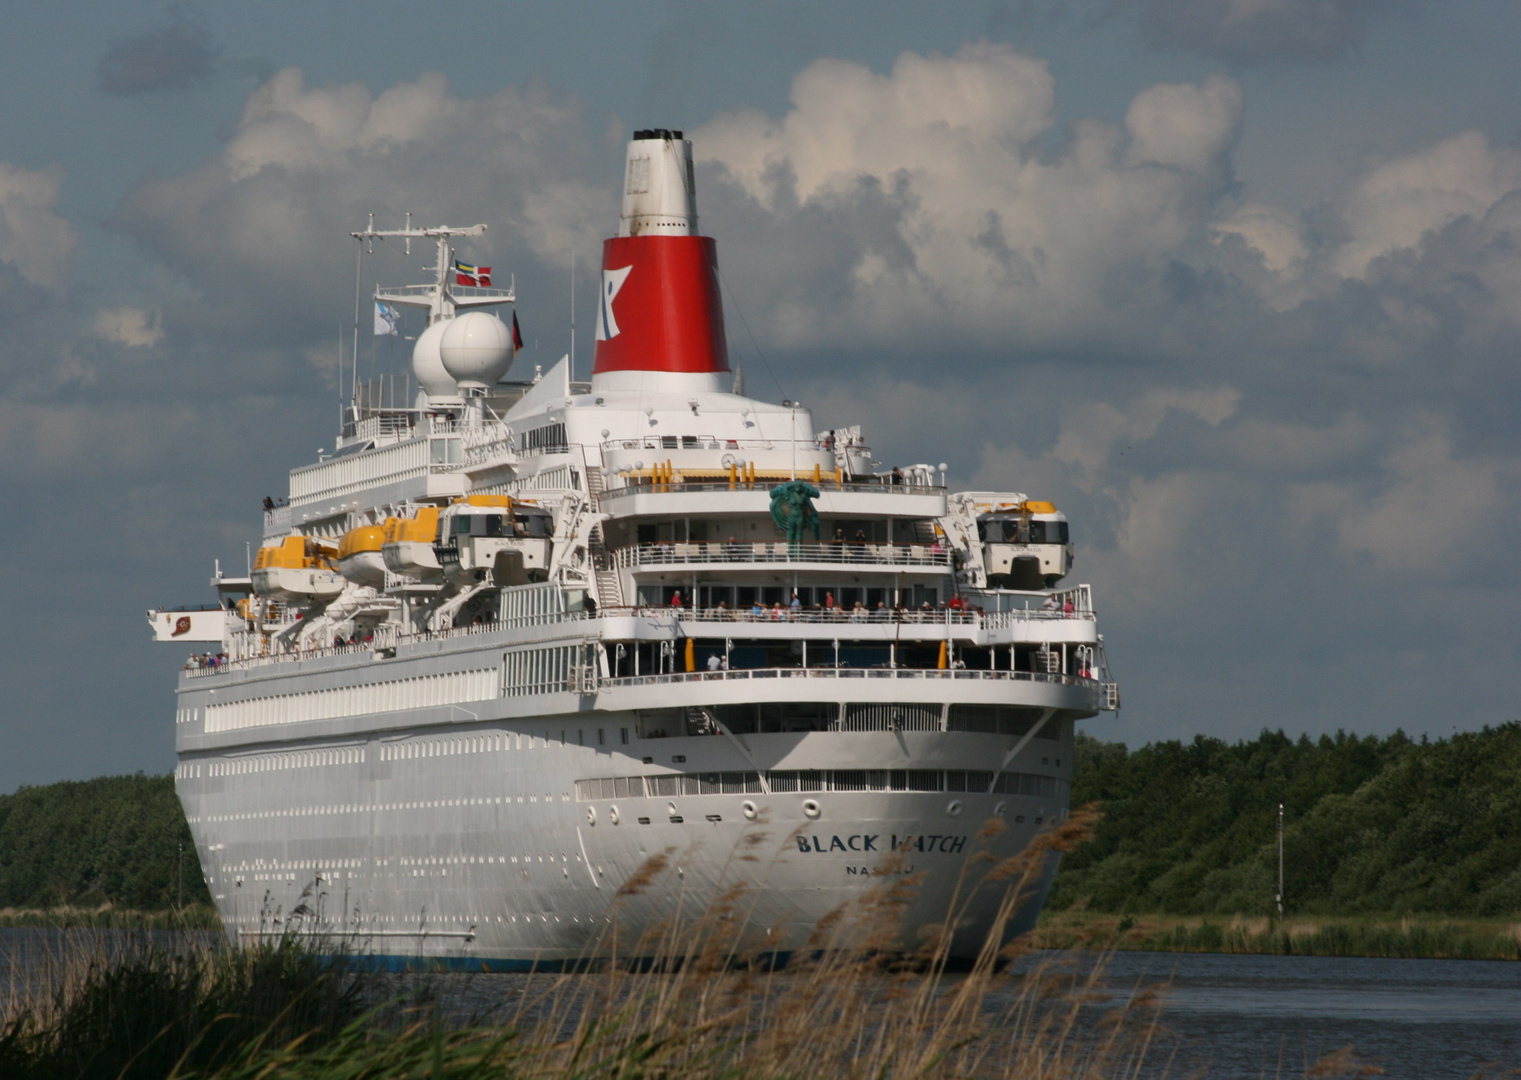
(735, 551)
(388, 637)
(954, 674)
(648, 487)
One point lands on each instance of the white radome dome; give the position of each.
(476, 349)
(428, 366)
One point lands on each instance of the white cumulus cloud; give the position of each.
(33, 237)
(902, 208)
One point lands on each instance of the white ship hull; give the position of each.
(474, 830)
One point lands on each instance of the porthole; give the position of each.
(811, 808)
(954, 808)
(612, 814)
(999, 809)
(749, 810)
(591, 815)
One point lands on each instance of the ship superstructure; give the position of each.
(510, 640)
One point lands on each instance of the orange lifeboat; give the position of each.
(359, 555)
(297, 569)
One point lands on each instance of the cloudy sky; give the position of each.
(1237, 283)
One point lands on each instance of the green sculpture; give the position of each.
(792, 510)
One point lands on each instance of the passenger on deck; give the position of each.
(714, 662)
(676, 599)
(777, 612)
(829, 604)
(858, 613)
(797, 605)
(757, 610)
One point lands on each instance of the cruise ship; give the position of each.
(512, 640)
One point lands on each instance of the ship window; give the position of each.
(533, 525)
(784, 716)
(997, 719)
(660, 723)
(739, 719)
(1048, 532)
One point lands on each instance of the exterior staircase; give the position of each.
(609, 586)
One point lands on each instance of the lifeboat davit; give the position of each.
(297, 569)
(408, 547)
(359, 556)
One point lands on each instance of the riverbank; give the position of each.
(108, 917)
(1409, 937)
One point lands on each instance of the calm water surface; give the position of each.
(1267, 1016)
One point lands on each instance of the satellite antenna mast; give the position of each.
(441, 297)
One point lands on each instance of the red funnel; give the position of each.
(659, 308)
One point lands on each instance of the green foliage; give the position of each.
(1371, 825)
(115, 839)
(146, 1015)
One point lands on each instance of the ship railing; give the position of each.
(951, 674)
(277, 519)
(907, 616)
(649, 487)
(735, 551)
(387, 636)
(1071, 603)
(220, 663)
(946, 616)
(710, 442)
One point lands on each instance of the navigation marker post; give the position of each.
(1279, 897)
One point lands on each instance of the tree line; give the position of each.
(1371, 825)
(112, 840)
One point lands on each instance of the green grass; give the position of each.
(1408, 937)
(107, 917)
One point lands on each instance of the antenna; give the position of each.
(358, 258)
(439, 297)
(572, 313)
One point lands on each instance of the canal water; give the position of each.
(1275, 1016)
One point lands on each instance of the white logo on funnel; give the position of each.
(612, 281)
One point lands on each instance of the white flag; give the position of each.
(385, 320)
